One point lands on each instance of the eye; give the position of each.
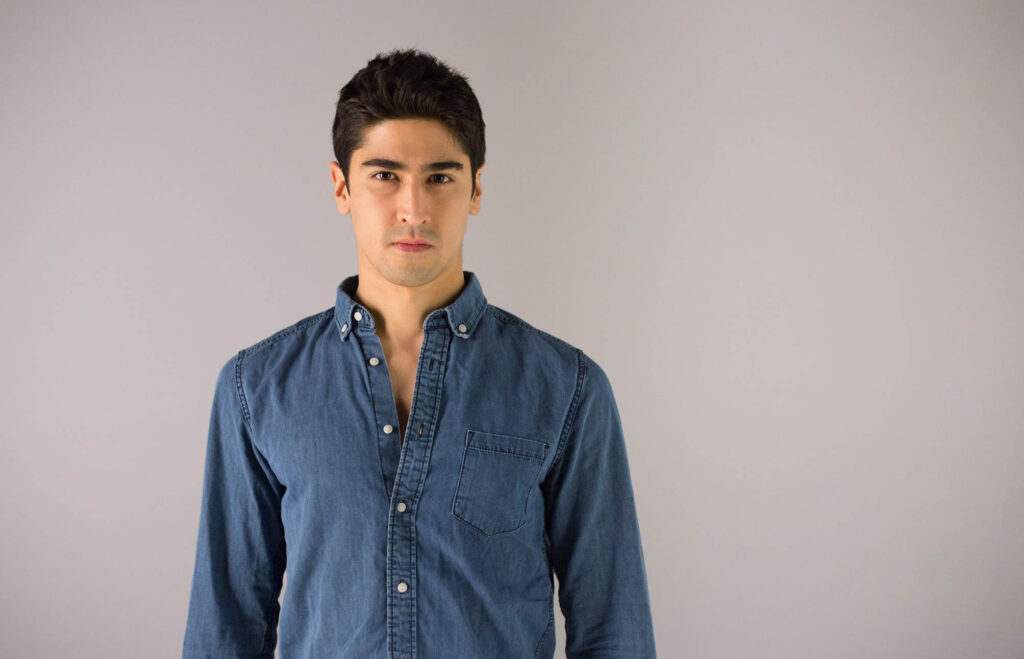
(384, 173)
(444, 175)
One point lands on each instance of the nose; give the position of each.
(415, 204)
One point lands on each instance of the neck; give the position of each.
(399, 311)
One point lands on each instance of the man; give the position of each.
(422, 460)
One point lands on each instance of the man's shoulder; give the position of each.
(548, 348)
(586, 363)
(296, 333)
(529, 332)
(266, 353)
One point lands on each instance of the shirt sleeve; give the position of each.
(594, 534)
(240, 552)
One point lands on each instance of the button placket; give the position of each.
(414, 458)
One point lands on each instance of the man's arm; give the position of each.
(240, 552)
(593, 531)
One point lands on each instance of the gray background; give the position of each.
(791, 234)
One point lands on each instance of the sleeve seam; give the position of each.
(247, 416)
(240, 391)
(570, 416)
(269, 631)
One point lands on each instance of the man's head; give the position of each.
(409, 142)
(406, 84)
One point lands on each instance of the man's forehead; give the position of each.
(410, 142)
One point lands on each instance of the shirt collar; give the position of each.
(462, 315)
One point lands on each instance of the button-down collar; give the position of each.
(462, 315)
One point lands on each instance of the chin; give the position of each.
(411, 274)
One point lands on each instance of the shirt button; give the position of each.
(462, 327)
(402, 586)
(374, 361)
(357, 316)
(401, 506)
(387, 429)
(344, 327)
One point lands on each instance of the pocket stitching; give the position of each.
(467, 480)
(511, 453)
(542, 446)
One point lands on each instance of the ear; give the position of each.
(474, 204)
(341, 196)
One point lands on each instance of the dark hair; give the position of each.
(407, 84)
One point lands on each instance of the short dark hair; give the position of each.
(407, 84)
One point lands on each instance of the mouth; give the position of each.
(411, 247)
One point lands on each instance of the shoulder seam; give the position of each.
(570, 415)
(240, 390)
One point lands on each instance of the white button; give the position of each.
(374, 361)
(388, 429)
(344, 327)
(402, 586)
(462, 328)
(357, 316)
(401, 506)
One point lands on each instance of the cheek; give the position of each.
(366, 230)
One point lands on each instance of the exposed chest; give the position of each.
(402, 370)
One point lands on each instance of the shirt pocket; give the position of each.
(498, 476)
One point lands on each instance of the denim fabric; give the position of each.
(513, 468)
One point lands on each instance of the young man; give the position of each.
(422, 460)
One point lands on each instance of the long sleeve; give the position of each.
(240, 552)
(594, 535)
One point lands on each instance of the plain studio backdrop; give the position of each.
(792, 234)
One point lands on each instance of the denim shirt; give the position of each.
(439, 545)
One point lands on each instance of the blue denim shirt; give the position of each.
(441, 545)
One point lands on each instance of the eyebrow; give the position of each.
(430, 167)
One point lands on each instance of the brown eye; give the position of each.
(384, 173)
(444, 175)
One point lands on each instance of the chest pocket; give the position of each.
(498, 476)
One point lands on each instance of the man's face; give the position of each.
(409, 181)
